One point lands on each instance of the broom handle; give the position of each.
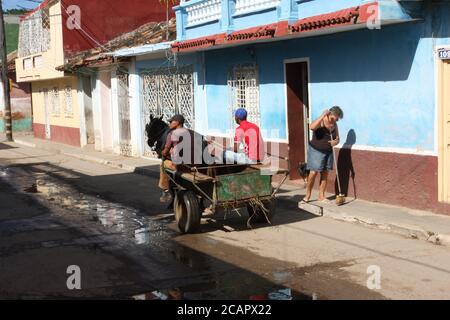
(335, 164)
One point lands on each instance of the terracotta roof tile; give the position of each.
(346, 16)
(353, 15)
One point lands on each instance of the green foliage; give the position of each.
(16, 11)
(12, 37)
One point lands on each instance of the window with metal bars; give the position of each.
(243, 87)
(167, 91)
(34, 34)
(54, 99)
(68, 103)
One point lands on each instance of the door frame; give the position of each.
(443, 170)
(307, 117)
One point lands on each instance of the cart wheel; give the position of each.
(187, 211)
(259, 215)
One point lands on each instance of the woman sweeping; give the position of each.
(320, 150)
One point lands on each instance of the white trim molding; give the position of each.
(388, 150)
(249, 6)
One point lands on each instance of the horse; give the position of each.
(157, 131)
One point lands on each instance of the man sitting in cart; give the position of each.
(174, 137)
(248, 142)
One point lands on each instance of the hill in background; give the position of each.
(12, 37)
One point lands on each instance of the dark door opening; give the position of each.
(298, 113)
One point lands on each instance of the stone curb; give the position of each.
(409, 231)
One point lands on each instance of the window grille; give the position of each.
(68, 102)
(168, 91)
(34, 34)
(243, 89)
(54, 98)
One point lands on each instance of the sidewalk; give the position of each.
(137, 165)
(410, 223)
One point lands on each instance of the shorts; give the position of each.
(319, 161)
(237, 158)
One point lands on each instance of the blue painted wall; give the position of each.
(202, 30)
(308, 8)
(383, 79)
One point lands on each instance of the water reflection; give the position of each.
(116, 217)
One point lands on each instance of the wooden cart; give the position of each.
(223, 186)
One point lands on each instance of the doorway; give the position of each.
(297, 113)
(444, 131)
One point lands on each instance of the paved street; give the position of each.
(57, 211)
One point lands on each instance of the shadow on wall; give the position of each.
(345, 165)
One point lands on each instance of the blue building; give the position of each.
(286, 61)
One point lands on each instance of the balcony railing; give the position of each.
(34, 34)
(248, 6)
(195, 13)
(203, 12)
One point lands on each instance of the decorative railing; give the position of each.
(34, 34)
(202, 12)
(247, 6)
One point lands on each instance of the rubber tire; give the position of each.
(187, 211)
(260, 217)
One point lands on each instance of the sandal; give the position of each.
(304, 201)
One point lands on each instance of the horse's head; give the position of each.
(156, 131)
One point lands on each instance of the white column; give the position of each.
(96, 111)
(80, 94)
(135, 111)
(115, 111)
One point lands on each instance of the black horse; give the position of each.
(157, 130)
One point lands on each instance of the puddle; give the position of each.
(191, 274)
(114, 217)
(3, 172)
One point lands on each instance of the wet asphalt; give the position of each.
(126, 245)
(47, 225)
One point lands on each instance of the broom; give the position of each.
(340, 198)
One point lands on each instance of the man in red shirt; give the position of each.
(248, 141)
